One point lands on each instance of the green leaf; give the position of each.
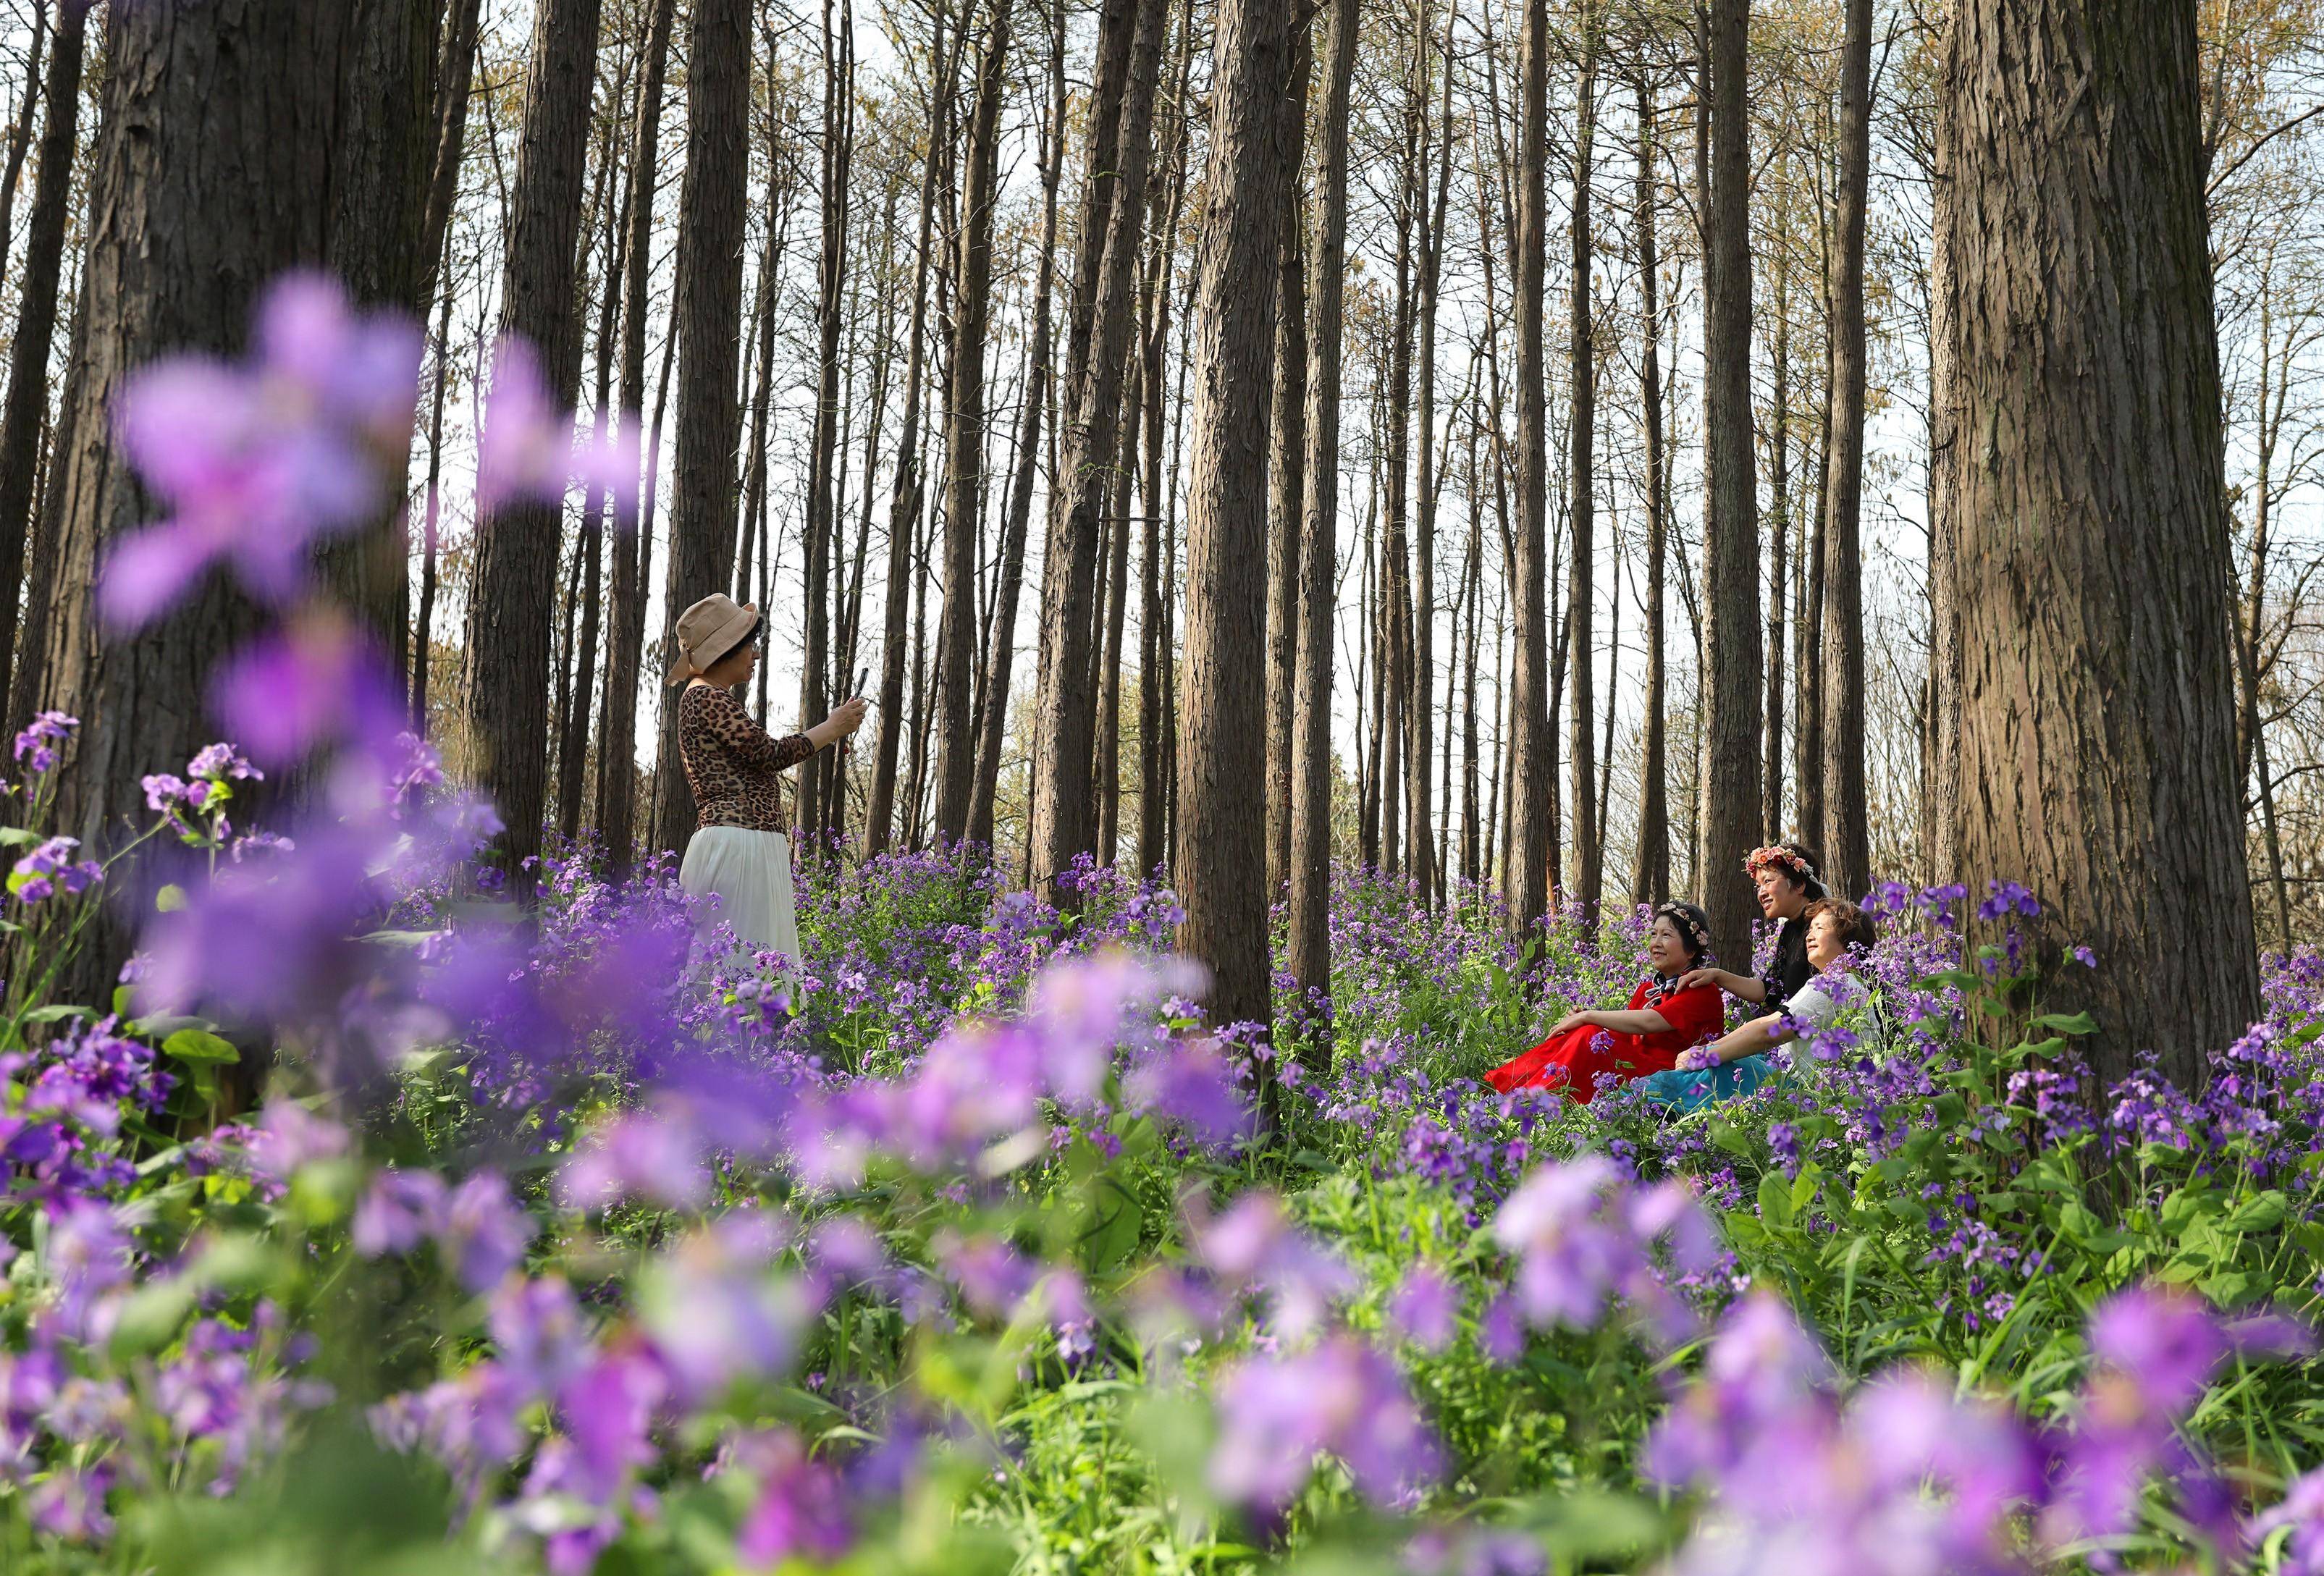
(152, 1317)
(1113, 1235)
(2067, 1023)
(1775, 1199)
(198, 1045)
(57, 1013)
(169, 898)
(18, 836)
(2262, 1213)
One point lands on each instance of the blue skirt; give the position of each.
(1687, 1090)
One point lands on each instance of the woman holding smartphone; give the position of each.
(740, 852)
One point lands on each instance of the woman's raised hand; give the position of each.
(847, 716)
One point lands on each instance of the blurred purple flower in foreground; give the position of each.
(529, 451)
(1345, 1397)
(256, 461)
(1584, 1240)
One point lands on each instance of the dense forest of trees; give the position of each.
(1540, 447)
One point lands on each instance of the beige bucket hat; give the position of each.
(707, 631)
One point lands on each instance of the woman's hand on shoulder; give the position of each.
(1696, 979)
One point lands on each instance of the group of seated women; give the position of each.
(1669, 1035)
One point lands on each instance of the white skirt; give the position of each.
(750, 873)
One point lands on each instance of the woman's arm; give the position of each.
(1742, 987)
(1759, 1034)
(844, 720)
(1643, 1021)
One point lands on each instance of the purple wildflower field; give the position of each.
(365, 1229)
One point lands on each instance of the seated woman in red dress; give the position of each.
(1647, 1036)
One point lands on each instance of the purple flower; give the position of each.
(1426, 1309)
(718, 1311)
(50, 868)
(527, 451)
(544, 1341)
(1345, 1397)
(398, 1211)
(255, 461)
(316, 681)
(484, 1232)
(637, 1155)
(2301, 1514)
(801, 1508)
(37, 746)
(292, 1136)
(1253, 1245)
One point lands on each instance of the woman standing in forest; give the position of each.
(739, 852)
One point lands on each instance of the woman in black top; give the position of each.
(1786, 875)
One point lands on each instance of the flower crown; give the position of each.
(1782, 858)
(1689, 921)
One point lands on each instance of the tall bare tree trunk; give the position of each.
(1779, 530)
(1066, 718)
(570, 762)
(1286, 479)
(712, 224)
(510, 608)
(454, 82)
(218, 112)
(1222, 830)
(1532, 766)
(2092, 565)
(965, 446)
(904, 499)
(617, 793)
(26, 407)
(1846, 829)
(821, 526)
(1581, 587)
(1107, 765)
(1155, 690)
(992, 724)
(1650, 871)
(1731, 656)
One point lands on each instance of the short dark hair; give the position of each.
(1858, 931)
(1692, 924)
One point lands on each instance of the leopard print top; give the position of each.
(732, 763)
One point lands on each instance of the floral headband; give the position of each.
(1691, 922)
(1759, 859)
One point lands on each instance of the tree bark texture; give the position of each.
(1581, 587)
(965, 446)
(1650, 871)
(1286, 474)
(2093, 562)
(209, 111)
(26, 406)
(1223, 831)
(1845, 830)
(1533, 764)
(710, 226)
(1731, 656)
(1063, 824)
(617, 780)
(510, 609)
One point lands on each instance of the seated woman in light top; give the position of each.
(1737, 1063)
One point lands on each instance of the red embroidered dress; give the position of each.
(1572, 1061)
